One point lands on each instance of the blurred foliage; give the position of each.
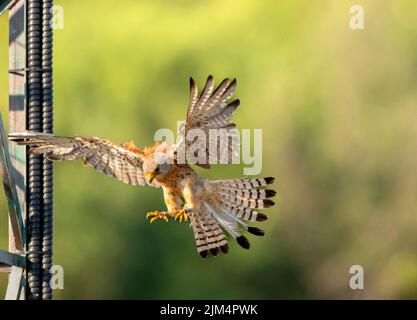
(338, 113)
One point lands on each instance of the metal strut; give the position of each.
(39, 171)
(34, 169)
(28, 179)
(47, 126)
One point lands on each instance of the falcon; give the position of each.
(217, 210)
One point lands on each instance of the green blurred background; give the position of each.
(338, 111)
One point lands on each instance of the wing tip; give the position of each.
(235, 103)
(233, 83)
(192, 82)
(21, 135)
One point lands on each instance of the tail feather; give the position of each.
(244, 213)
(233, 203)
(244, 203)
(244, 183)
(208, 234)
(240, 196)
(248, 194)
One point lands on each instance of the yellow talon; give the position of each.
(182, 215)
(156, 215)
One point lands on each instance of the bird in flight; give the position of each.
(216, 209)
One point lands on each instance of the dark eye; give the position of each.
(157, 170)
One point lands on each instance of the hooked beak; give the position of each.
(150, 176)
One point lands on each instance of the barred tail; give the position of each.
(208, 234)
(242, 197)
(233, 202)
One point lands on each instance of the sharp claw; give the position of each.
(155, 215)
(151, 214)
(181, 216)
(178, 216)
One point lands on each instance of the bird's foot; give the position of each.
(181, 215)
(153, 215)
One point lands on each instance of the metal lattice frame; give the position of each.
(29, 258)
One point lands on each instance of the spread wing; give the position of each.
(210, 111)
(103, 155)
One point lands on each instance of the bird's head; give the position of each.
(155, 166)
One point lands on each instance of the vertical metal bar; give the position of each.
(17, 106)
(35, 165)
(47, 126)
(31, 107)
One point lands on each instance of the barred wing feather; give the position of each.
(207, 111)
(103, 155)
